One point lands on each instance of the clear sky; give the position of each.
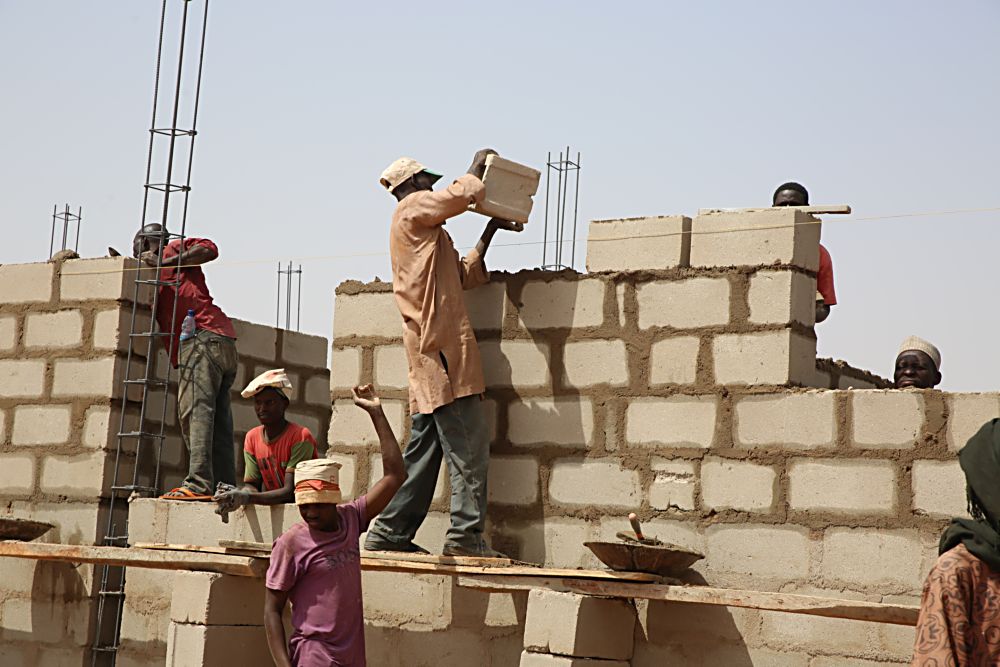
(891, 107)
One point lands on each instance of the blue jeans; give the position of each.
(457, 432)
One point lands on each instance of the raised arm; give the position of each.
(195, 252)
(274, 606)
(393, 472)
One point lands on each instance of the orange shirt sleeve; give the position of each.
(824, 277)
(431, 209)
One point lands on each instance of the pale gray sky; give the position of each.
(891, 107)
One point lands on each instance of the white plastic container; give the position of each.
(509, 189)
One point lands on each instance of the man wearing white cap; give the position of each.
(317, 564)
(272, 450)
(445, 372)
(917, 365)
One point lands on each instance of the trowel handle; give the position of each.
(636, 528)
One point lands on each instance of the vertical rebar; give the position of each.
(65, 220)
(288, 298)
(545, 233)
(576, 205)
(52, 235)
(79, 220)
(298, 308)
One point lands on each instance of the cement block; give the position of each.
(782, 297)
(350, 425)
(106, 278)
(311, 422)
(75, 522)
(684, 304)
(738, 485)
(755, 238)
(674, 360)
(635, 244)
(46, 621)
(61, 329)
(770, 357)
(561, 421)
(845, 487)
(530, 659)
(256, 341)
(41, 424)
(513, 480)
(553, 541)
(939, 488)
(8, 333)
(594, 482)
(392, 369)
(833, 636)
(91, 377)
(485, 306)
(786, 421)
(375, 474)
(348, 474)
(887, 419)
(22, 378)
(26, 283)
(767, 552)
(509, 189)
(890, 557)
(299, 349)
(515, 363)
(77, 476)
(317, 390)
(579, 626)
(591, 362)
(191, 645)
(396, 600)
(366, 314)
(966, 414)
(678, 421)
(17, 474)
(562, 304)
(207, 598)
(345, 367)
(673, 484)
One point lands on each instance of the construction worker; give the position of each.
(959, 621)
(445, 373)
(793, 194)
(317, 564)
(207, 360)
(272, 450)
(917, 364)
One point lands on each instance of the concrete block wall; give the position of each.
(690, 393)
(61, 363)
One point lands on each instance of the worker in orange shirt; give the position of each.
(794, 194)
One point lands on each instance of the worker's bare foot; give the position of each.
(482, 551)
(374, 544)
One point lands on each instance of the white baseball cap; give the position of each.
(402, 169)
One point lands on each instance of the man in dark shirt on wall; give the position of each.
(207, 361)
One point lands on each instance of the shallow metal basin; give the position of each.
(666, 559)
(22, 530)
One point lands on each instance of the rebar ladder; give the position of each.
(148, 434)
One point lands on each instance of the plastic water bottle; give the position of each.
(187, 326)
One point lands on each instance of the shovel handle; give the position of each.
(634, 520)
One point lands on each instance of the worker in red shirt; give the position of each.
(793, 194)
(207, 361)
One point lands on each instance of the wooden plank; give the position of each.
(442, 560)
(829, 209)
(149, 558)
(796, 604)
(389, 565)
(246, 546)
(163, 546)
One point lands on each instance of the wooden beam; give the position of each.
(149, 558)
(503, 572)
(830, 209)
(796, 604)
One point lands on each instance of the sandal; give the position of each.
(184, 493)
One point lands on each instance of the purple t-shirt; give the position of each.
(322, 573)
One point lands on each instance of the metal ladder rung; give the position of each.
(141, 434)
(147, 382)
(154, 281)
(148, 334)
(111, 593)
(132, 487)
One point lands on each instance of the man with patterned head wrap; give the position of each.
(271, 450)
(918, 365)
(317, 564)
(959, 622)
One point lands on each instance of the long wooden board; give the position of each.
(389, 565)
(797, 604)
(830, 209)
(150, 558)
